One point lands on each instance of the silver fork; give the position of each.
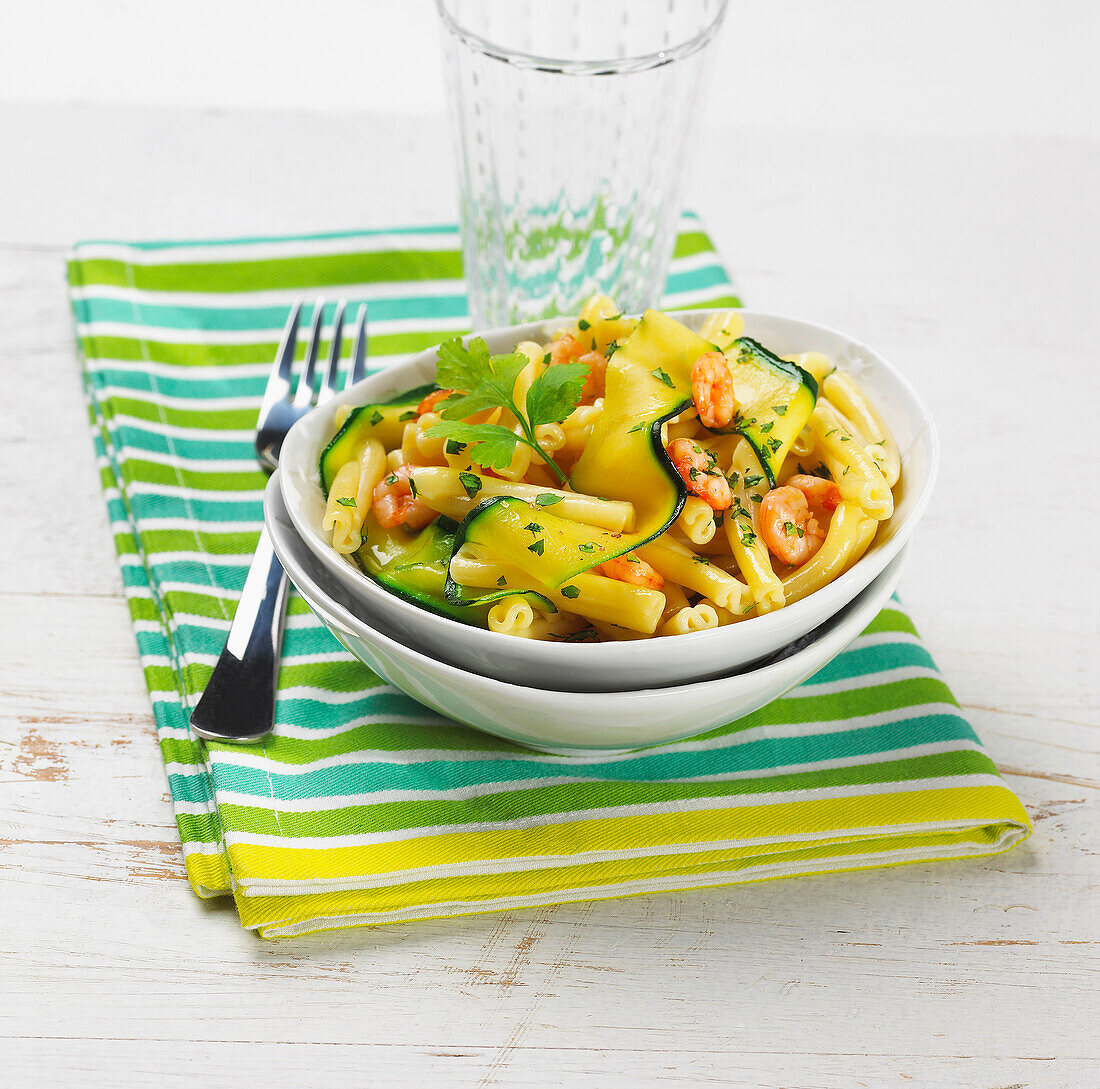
(238, 704)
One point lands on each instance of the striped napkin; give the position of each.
(364, 807)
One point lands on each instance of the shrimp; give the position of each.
(394, 504)
(566, 349)
(712, 390)
(628, 568)
(818, 491)
(433, 399)
(790, 531)
(698, 468)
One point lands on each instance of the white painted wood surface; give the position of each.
(973, 264)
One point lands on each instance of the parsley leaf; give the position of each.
(375, 418)
(555, 393)
(662, 376)
(490, 444)
(547, 499)
(346, 501)
(502, 581)
(570, 591)
(534, 527)
(485, 380)
(537, 547)
(471, 482)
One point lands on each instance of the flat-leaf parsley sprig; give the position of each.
(483, 381)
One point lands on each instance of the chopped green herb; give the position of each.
(538, 547)
(720, 518)
(546, 359)
(547, 499)
(375, 418)
(454, 446)
(346, 501)
(612, 348)
(756, 497)
(570, 592)
(586, 546)
(471, 482)
(412, 414)
(533, 527)
(801, 531)
(502, 581)
(779, 410)
(661, 376)
(412, 488)
(733, 478)
(846, 468)
(583, 325)
(845, 438)
(638, 427)
(752, 481)
(788, 528)
(391, 479)
(700, 559)
(747, 537)
(765, 428)
(694, 473)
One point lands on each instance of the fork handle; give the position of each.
(238, 705)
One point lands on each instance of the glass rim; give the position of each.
(598, 67)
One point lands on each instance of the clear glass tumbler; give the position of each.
(573, 120)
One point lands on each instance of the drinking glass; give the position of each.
(573, 121)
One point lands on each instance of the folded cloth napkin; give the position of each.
(364, 807)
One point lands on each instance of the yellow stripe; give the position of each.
(978, 805)
(476, 894)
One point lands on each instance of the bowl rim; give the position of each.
(762, 625)
(879, 591)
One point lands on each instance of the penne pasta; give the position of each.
(845, 394)
(856, 475)
(642, 559)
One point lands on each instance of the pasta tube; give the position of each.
(594, 597)
(844, 392)
(856, 475)
(340, 509)
(846, 531)
(743, 531)
(443, 489)
(511, 616)
(696, 520)
(674, 562)
(723, 328)
(694, 618)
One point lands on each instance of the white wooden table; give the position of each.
(972, 265)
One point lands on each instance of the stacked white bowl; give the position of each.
(583, 697)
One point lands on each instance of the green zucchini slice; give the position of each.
(414, 568)
(648, 382)
(548, 549)
(775, 398)
(384, 421)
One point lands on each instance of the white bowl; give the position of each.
(639, 663)
(564, 722)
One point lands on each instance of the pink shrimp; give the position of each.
(699, 471)
(818, 491)
(394, 504)
(712, 390)
(629, 568)
(566, 349)
(433, 399)
(787, 527)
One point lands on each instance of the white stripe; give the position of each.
(368, 291)
(229, 251)
(200, 847)
(305, 622)
(700, 296)
(205, 559)
(196, 434)
(657, 883)
(198, 465)
(479, 790)
(865, 680)
(678, 805)
(182, 491)
(166, 334)
(201, 525)
(245, 758)
(529, 863)
(199, 372)
(192, 404)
